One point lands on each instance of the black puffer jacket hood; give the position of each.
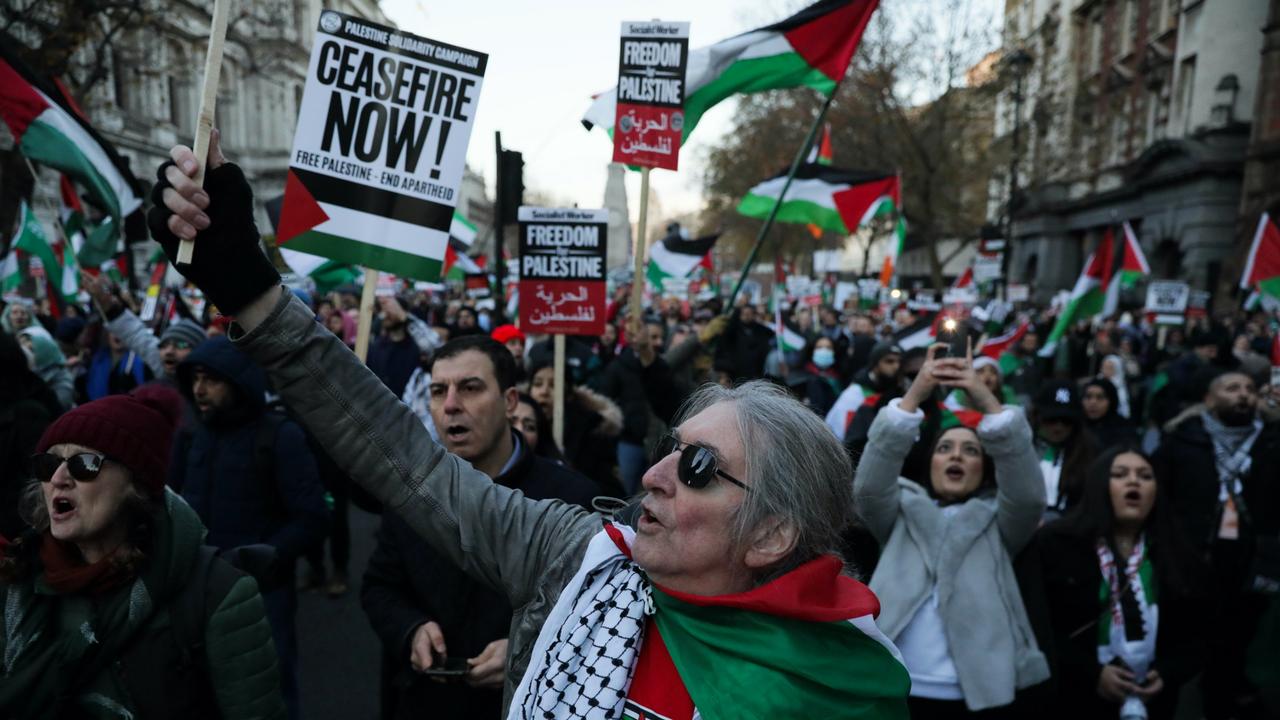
(219, 357)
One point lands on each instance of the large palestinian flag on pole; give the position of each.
(1133, 267)
(677, 256)
(1262, 266)
(1088, 297)
(809, 49)
(49, 132)
(831, 198)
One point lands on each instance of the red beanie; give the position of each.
(506, 333)
(136, 430)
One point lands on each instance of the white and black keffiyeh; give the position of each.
(586, 652)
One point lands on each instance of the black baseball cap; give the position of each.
(1058, 401)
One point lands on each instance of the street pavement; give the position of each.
(338, 652)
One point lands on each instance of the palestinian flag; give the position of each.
(10, 272)
(93, 245)
(462, 230)
(318, 217)
(821, 154)
(458, 265)
(325, 273)
(676, 256)
(898, 245)
(1133, 267)
(921, 333)
(1089, 295)
(833, 199)
(965, 280)
(1262, 267)
(30, 238)
(809, 49)
(789, 630)
(48, 130)
(997, 346)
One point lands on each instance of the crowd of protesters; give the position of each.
(1094, 533)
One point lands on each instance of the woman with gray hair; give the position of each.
(951, 601)
(727, 598)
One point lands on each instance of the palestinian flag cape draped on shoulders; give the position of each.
(809, 49)
(806, 640)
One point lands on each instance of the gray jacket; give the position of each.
(527, 549)
(139, 338)
(967, 558)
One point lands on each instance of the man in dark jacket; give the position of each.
(394, 355)
(744, 346)
(1220, 468)
(634, 385)
(421, 605)
(250, 477)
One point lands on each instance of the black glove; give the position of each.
(228, 264)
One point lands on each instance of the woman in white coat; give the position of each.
(945, 578)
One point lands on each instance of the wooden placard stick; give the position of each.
(208, 101)
(365, 325)
(637, 281)
(557, 401)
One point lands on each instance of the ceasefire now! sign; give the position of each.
(380, 147)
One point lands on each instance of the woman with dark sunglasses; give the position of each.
(945, 578)
(722, 601)
(113, 607)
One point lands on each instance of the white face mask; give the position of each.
(824, 357)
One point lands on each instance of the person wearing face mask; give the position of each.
(818, 383)
(948, 595)
(1123, 595)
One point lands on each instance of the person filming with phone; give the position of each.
(945, 578)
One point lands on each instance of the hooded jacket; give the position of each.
(213, 464)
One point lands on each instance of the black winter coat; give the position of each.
(1185, 462)
(1064, 611)
(638, 391)
(743, 349)
(409, 583)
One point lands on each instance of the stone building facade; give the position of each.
(1136, 110)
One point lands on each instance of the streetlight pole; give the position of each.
(1017, 65)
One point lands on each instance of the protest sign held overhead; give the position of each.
(380, 147)
(562, 270)
(651, 85)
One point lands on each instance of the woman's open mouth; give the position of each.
(62, 509)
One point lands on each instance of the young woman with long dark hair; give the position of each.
(1121, 593)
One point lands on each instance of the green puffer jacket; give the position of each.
(67, 655)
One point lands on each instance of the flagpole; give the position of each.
(773, 214)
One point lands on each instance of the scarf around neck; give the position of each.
(1232, 446)
(54, 646)
(1130, 616)
(66, 572)
(804, 644)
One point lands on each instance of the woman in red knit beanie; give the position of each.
(97, 591)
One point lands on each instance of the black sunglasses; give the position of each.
(82, 466)
(697, 464)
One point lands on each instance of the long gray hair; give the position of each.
(798, 472)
